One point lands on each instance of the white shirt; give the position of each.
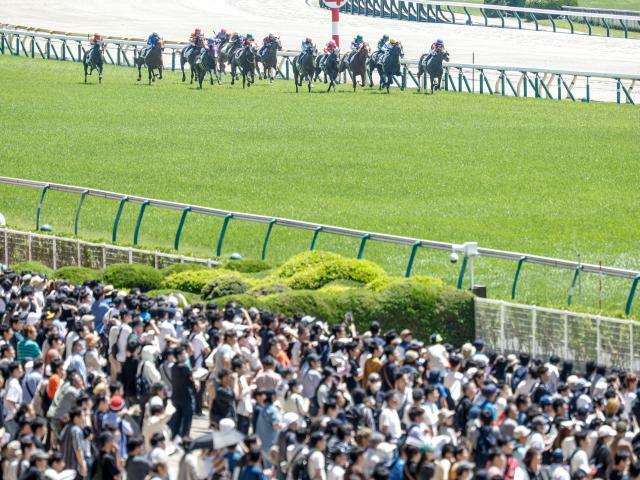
(389, 418)
(198, 345)
(316, 462)
(453, 381)
(123, 336)
(166, 330)
(580, 459)
(336, 472)
(245, 406)
(13, 393)
(438, 356)
(559, 472)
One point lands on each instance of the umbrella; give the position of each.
(215, 440)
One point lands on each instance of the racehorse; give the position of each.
(207, 63)
(390, 65)
(433, 67)
(318, 67)
(304, 67)
(191, 60)
(269, 59)
(331, 70)
(93, 59)
(226, 51)
(374, 64)
(152, 60)
(245, 61)
(357, 66)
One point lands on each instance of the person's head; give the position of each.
(533, 458)
(15, 370)
(470, 390)
(225, 378)
(161, 469)
(39, 459)
(56, 461)
(75, 415)
(134, 446)
(30, 332)
(497, 458)
(157, 440)
(416, 414)
(317, 441)
(105, 441)
(392, 399)
(230, 337)
(622, 460)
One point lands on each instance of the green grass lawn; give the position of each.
(612, 4)
(537, 176)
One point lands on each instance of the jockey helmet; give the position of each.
(198, 30)
(97, 35)
(332, 43)
(210, 41)
(393, 41)
(249, 36)
(308, 40)
(155, 34)
(439, 42)
(358, 37)
(385, 37)
(222, 30)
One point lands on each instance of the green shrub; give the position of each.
(78, 275)
(193, 281)
(304, 261)
(123, 275)
(383, 282)
(224, 285)
(262, 290)
(314, 277)
(248, 266)
(454, 316)
(33, 267)
(191, 297)
(182, 267)
(550, 5)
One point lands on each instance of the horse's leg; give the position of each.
(184, 78)
(160, 70)
(100, 74)
(354, 82)
(85, 73)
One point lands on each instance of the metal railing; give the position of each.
(458, 77)
(460, 13)
(579, 337)
(364, 236)
(56, 252)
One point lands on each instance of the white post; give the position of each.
(29, 246)
(155, 259)
(104, 256)
(130, 255)
(534, 325)
(598, 339)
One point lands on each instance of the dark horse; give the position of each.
(207, 63)
(226, 51)
(152, 60)
(331, 69)
(93, 59)
(304, 66)
(433, 67)
(190, 59)
(269, 60)
(374, 64)
(245, 61)
(389, 65)
(357, 66)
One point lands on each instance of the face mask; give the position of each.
(375, 387)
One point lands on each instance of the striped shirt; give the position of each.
(28, 349)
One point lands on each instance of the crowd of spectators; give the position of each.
(103, 384)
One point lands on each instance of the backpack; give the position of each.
(300, 466)
(486, 442)
(143, 387)
(354, 415)
(519, 375)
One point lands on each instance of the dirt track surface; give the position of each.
(295, 19)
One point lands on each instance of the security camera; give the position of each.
(453, 257)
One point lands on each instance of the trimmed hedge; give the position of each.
(381, 283)
(78, 275)
(248, 266)
(182, 267)
(124, 275)
(304, 261)
(268, 289)
(33, 267)
(193, 281)
(191, 297)
(224, 285)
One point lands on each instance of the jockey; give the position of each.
(331, 48)
(210, 49)
(95, 38)
(306, 48)
(435, 46)
(266, 43)
(382, 42)
(248, 41)
(356, 44)
(196, 40)
(236, 40)
(151, 42)
(221, 36)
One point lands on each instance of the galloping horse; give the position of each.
(152, 60)
(269, 59)
(304, 67)
(358, 65)
(226, 52)
(244, 60)
(191, 60)
(389, 65)
(93, 59)
(433, 67)
(207, 63)
(331, 70)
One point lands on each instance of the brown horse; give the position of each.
(357, 66)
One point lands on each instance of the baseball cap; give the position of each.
(606, 431)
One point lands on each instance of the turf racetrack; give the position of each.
(538, 176)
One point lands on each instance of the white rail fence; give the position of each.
(541, 332)
(57, 252)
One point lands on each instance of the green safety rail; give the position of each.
(365, 237)
(458, 77)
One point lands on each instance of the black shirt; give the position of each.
(224, 405)
(182, 387)
(31, 473)
(129, 374)
(108, 467)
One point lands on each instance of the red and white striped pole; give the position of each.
(334, 5)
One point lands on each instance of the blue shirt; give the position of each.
(251, 472)
(77, 364)
(396, 471)
(30, 384)
(264, 427)
(99, 310)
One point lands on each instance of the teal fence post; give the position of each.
(183, 218)
(266, 238)
(412, 258)
(44, 192)
(463, 269)
(223, 232)
(314, 240)
(363, 244)
(116, 222)
(77, 220)
(576, 274)
(632, 294)
(517, 277)
(143, 207)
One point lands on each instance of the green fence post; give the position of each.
(44, 192)
(363, 244)
(412, 258)
(314, 240)
(576, 274)
(223, 232)
(183, 218)
(2, 43)
(77, 220)
(143, 207)
(463, 269)
(517, 277)
(632, 294)
(116, 222)
(266, 238)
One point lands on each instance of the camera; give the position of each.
(453, 257)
